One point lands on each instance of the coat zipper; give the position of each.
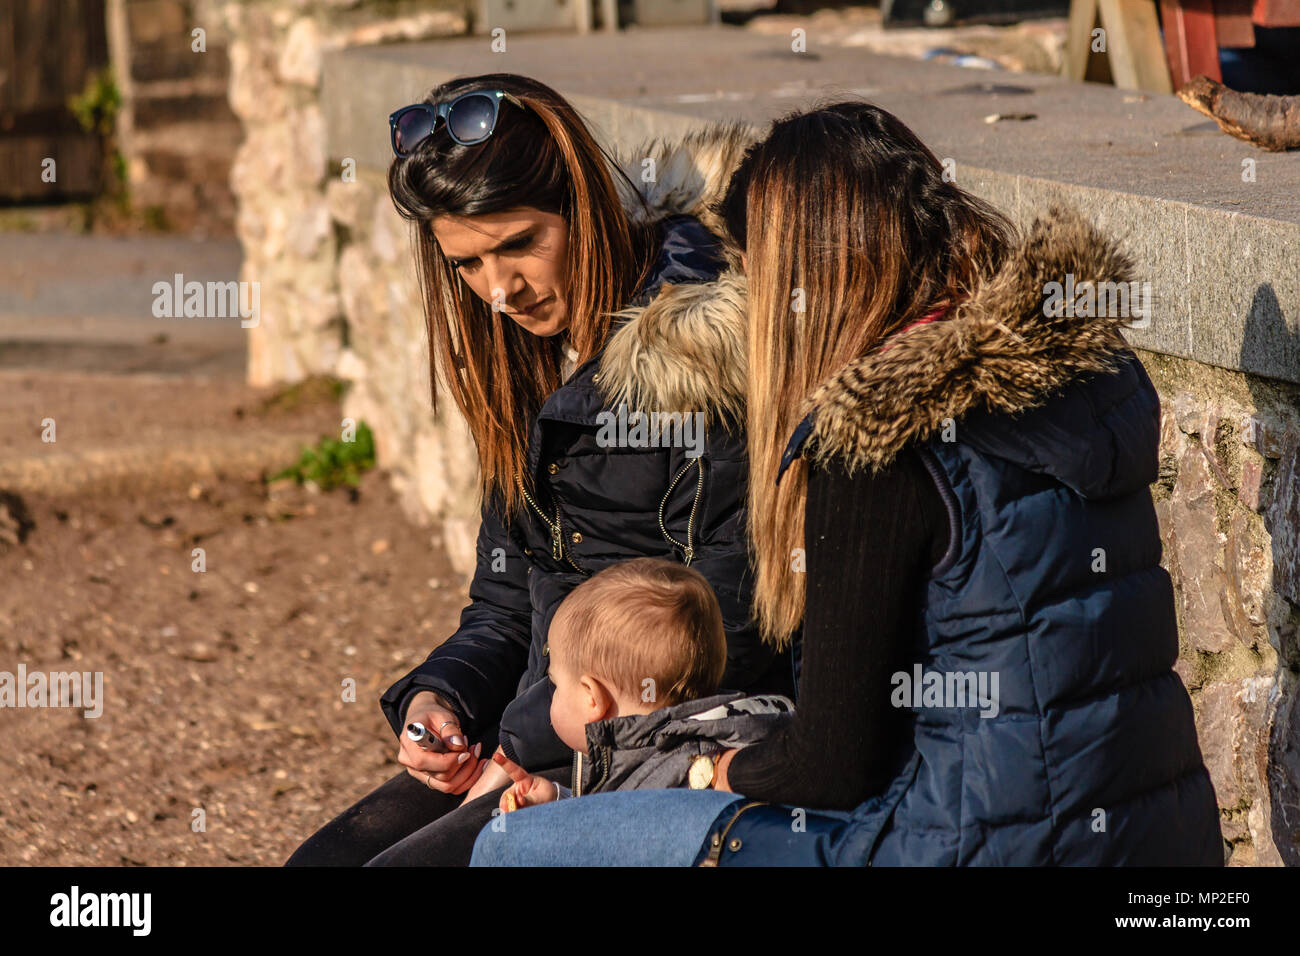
(577, 774)
(687, 550)
(558, 549)
(720, 839)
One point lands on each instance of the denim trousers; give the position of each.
(628, 828)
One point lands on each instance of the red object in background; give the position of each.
(1194, 30)
(1233, 26)
(1191, 40)
(1277, 13)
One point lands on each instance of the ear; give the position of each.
(598, 699)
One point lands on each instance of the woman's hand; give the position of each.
(452, 772)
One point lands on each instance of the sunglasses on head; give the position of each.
(470, 119)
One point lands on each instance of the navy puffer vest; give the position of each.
(1087, 752)
(1048, 726)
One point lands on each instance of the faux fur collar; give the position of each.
(688, 175)
(685, 351)
(997, 350)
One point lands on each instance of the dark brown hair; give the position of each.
(541, 156)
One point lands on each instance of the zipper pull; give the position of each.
(688, 554)
(715, 851)
(555, 542)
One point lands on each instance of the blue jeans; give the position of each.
(629, 828)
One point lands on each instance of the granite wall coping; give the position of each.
(1213, 223)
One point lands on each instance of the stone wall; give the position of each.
(280, 171)
(331, 255)
(430, 458)
(1228, 500)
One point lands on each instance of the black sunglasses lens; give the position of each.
(470, 118)
(412, 127)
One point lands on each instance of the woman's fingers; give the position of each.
(445, 726)
(432, 711)
(465, 776)
(411, 756)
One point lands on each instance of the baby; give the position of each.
(636, 653)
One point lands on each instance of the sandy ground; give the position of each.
(224, 690)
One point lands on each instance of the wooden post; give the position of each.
(1137, 57)
(1078, 40)
(1133, 48)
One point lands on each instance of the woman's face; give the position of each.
(515, 261)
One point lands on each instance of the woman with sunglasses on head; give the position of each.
(558, 297)
(988, 635)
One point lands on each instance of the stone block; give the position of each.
(1284, 779)
(1247, 567)
(1266, 434)
(1219, 724)
(351, 204)
(300, 60)
(1188, 412)
(1250, 488)
(1284, 521)
(1242, 323)
(1195, 543)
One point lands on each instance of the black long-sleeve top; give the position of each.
(870, 541)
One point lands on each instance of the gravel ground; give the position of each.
(224, 689)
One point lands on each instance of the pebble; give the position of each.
(200, 652)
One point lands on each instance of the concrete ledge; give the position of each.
(1222, 254)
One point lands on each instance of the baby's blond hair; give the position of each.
(647, 619)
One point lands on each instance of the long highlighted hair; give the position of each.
(542, 156)
(851, 232)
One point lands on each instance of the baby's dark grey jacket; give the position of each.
(654, 751)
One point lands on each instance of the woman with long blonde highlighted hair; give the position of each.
(950, 502)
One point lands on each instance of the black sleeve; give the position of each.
(870, 541)
(527, 736)
(477, 669)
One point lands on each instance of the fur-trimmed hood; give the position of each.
(685, 350)
(688, 176)
(996, 354)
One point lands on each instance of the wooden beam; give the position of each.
(1078, 41)
(1137, 58)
